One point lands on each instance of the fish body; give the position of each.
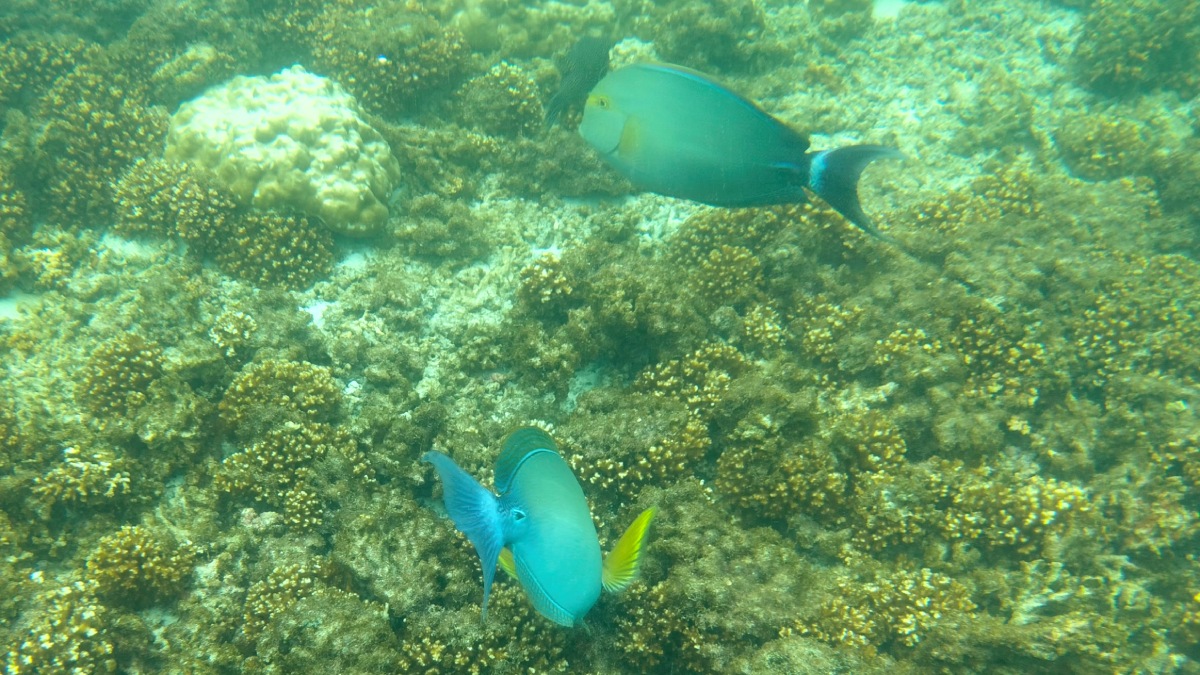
(676, 132)
(542, 518)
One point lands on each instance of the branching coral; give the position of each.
(699, 379)
(98, 126)
(30, 62)
(1142, 321)
(271, 392)
(282, 588)
(276, 249)
(765, 472)
(136, 567)
(514, 635)
(545, 286)
(69, 635)
(902, 608)
(81, 479)
(391, 56)
(1125, 47)
(117, 376)
(1104, 147)
(278, 470)
(164, 198)
(503, 102)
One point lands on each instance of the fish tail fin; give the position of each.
(475, 512)
(622, 563)
(833, 175)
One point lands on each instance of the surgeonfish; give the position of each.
(674, 131)
(542, 523)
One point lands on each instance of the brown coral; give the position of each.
(135, 567)
(117, 376)
(272, 392)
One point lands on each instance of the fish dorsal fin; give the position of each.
(518, 446)
(622, 563)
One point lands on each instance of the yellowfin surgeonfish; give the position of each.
(674, 131)
(542, 523)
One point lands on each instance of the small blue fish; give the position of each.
(674, 131)
(542, 520)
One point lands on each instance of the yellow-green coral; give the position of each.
(1010, 506)
(503, 102)
(271, 392)
(1124, 47)
(116, 377)
(1104, 147)
(278, 469)
(164, 198)
(390, 57)
(653, 630)
(764, 471)
(136, 567)
(69, 635)
(699, 379)
(31, 61)
(282, 588)
(82, 479)
(276, 249)
(902, 607)
(97, 126)
(513, 635)
(545, 287)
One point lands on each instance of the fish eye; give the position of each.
(518, 515)
(598, 101)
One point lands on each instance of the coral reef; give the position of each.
(1103, 147)
(276, 249)
(969, 446)
(98, 125)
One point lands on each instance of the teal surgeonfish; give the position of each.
(542, 524)
(674, 131)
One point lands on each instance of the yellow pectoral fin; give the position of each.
(507, 563)
(631, 139)
(621, 565)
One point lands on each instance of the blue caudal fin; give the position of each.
(475, 512)
(834, 174)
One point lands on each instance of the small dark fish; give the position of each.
(582, 68)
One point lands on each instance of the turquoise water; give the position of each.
(242, 298)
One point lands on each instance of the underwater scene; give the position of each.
(599, 336)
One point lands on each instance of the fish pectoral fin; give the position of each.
(622, 563)
(507, 563)
(631, 139)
